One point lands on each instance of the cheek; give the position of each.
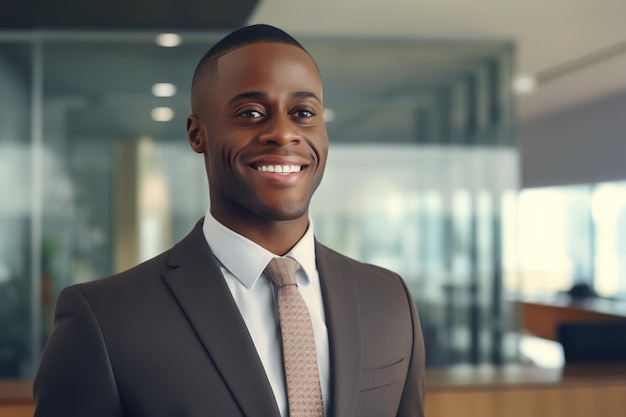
(219, 160)
(322, 145)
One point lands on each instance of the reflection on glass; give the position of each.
(16, 208)
(573, 235)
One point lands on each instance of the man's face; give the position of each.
(266, 141)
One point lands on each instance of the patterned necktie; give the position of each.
(303, 383)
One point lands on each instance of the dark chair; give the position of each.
(593, 341)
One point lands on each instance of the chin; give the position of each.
(286, 213)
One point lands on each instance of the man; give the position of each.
(196, 330)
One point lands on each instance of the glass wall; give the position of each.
(420, 177)
(436, 216)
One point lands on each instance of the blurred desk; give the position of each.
(16, 398)
(540, 315)
(483, 391)
(526, 391)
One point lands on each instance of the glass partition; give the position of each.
(422, 165)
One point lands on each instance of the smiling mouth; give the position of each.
(280, 169)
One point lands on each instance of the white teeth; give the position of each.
(280, 169)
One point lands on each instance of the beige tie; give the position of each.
(303, 382)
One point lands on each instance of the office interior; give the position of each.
(492, 181)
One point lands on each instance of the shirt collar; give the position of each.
(245, 259)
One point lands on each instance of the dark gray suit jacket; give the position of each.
(166, 339)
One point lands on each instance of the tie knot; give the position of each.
(282, 271)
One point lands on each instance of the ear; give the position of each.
(196, 133)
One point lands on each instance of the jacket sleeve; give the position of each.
(75, 377)
(412, 400)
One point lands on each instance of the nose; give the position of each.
(280, 131)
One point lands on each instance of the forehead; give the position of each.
(266, 65)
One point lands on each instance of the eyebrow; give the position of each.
(260, 95)
(305, 94)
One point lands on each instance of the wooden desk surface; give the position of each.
(541, 315)
(464, 377)
(526, 391)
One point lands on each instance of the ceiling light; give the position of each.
(329, 115)
(168, 40)
(162, 114)
(164, 89)
(525, 84)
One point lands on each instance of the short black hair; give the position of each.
(241, 37)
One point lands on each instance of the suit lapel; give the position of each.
(199, 287)
(344, 328)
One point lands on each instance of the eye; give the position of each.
(304, 113)
(251, 114)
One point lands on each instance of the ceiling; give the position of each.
(124, 14)
(576, 49)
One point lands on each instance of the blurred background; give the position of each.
(478, 148)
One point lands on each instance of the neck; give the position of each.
(277, 237)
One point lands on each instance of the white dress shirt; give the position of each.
(242, 263)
